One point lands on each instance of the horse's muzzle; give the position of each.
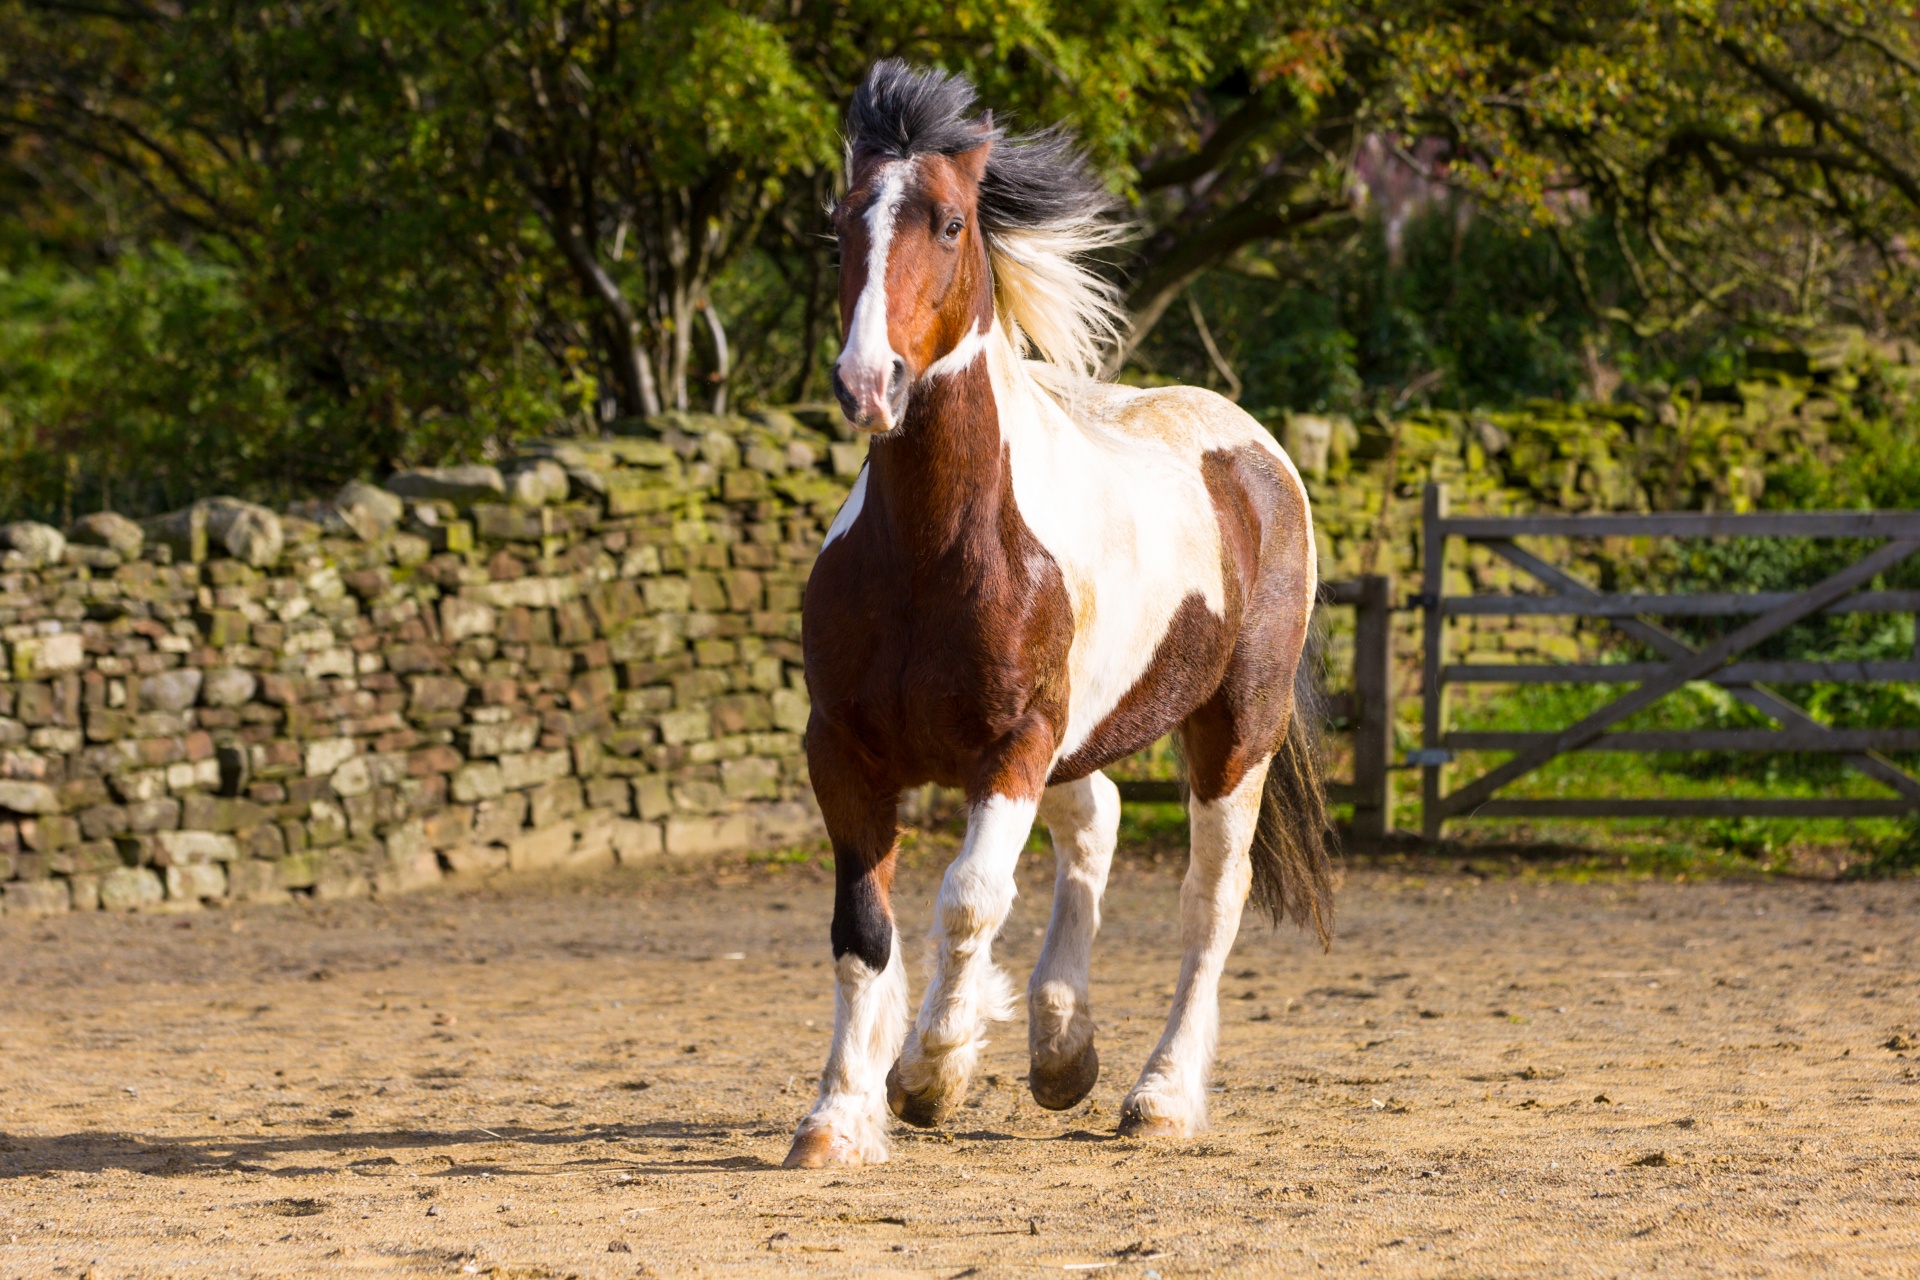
(872, 401)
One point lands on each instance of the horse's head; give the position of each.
(945, 216)
(915, 284)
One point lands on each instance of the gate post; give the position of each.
(1433, 582)
(1373, 694)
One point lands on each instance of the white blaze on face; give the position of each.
(866, 363)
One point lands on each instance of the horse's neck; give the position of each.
(943, 478)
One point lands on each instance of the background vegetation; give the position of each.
(266, 247)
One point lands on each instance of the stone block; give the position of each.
(635, 841)
(174, 690)
(253, 880)
(410, 863)
(299, 870)
(247, 531)
(500, 820)
(354, 778)
(93, 858)
(111, 530)
(695, 837)
(436, 693)
(190, 848)
(539, 850)
(202, 812)
(463, 619)
(614, 794)
(449, 827)
(86, 892)
(41, 657)
(103, 821)
(694, 724)
(340, 879)
(324, 755)
(130, 889)
(537, 484)
(134, 786)
(592, 840)
(509, 737)
(476, 859)
(38, 545)
(478, 781)
(196, 882)
(36, 897)
(790, 710)
(552, 801)
(532, 768)
(750, 778)
(45, 835)
(787, 823)
(368, 511)
(461, 486)
(652, 797)
(228, 687)
(153, 815)
(28, 797)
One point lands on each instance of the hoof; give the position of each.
(923, 1111)
(1057, 1088)
(1135, 1123)
(822, 1148)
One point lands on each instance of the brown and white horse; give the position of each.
(1035, 575)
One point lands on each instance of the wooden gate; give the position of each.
(1771, 613)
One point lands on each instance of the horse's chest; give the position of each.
(932, 670)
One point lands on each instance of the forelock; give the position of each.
(900, 112)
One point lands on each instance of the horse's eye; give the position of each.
(953, 229)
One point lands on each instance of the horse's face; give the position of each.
(915, 285)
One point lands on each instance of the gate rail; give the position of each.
(1771, 613)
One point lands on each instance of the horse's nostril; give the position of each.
(848, 404)
(899, 373)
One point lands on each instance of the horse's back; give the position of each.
(1186, 421)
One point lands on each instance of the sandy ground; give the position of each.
(1487, 1077)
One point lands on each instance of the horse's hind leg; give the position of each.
(1084, 818)
(1170, 1099)
(965, 991)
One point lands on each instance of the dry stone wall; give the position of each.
(588, 653)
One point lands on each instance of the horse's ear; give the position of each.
(974, 163)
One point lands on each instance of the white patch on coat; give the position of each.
(849, 510)
(965, 990)
(1084, 820)
(869, 1022)
(1172, 1090)
(1116, 495)
(868, 346)
(961, 358)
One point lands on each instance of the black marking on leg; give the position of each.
(862, 922)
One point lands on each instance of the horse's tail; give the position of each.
(1295, 844)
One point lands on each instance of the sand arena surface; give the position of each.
(1500, 1077)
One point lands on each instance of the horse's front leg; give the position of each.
(1170, 1098)
(1084, 819)
(848, 1123)
(966, 990)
